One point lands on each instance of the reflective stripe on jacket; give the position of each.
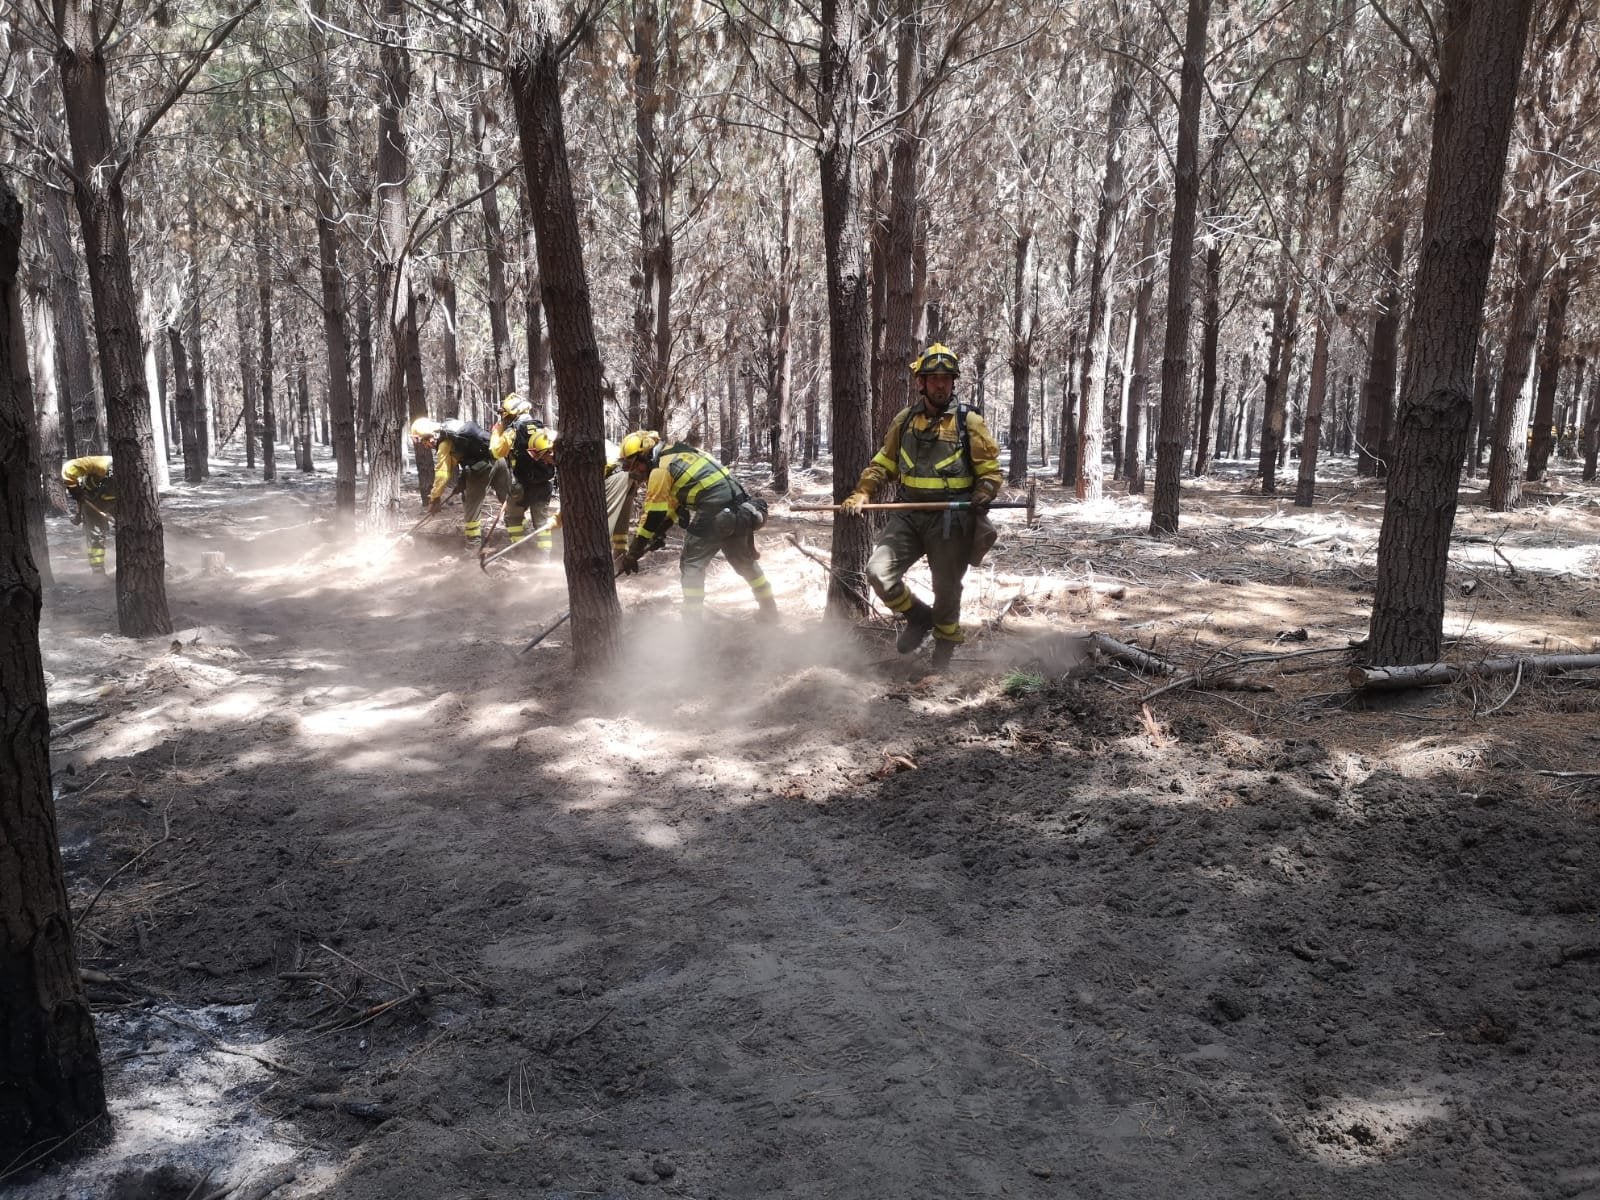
(684, 480)
(928, 459)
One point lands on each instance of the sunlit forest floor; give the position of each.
(373, 906)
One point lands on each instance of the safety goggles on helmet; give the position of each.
(937, 359)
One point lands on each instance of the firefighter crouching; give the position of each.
(938, 453)
(88, 481)
(467, 446)
(527, 447)
(690, 487)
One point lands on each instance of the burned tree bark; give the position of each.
(1480, 64)
(1102, 268)
(97, 188)
(849, 296)
(1544, 403)
(535, 79)
(51, 1086)
(335, 332)
(1180, 272)
(183, 393)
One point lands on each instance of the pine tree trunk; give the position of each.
(1479, 426)
(1102, 271)
(1377, 393)
(494, 252)
(444, 288)
(783, 336)
(1305, 495)
(1280, 358)
(900, 305)
(1138, 388)
(80, 403)
(1021, 357)
(265, 323)
(389, 405)
(849, 288)
(1067, 467)
(1210, 337)
(249, 381)
(533, 322)
(648, 373)
(1483, 46)
(141, 556)
(1591, 429)
(1508, 455)
(54, 430)
(335, 331)
(1180, 273)
(184, 393)
(535, 79)
(195, 322)
(1555, 325)
(50, 1078)
(814, 403)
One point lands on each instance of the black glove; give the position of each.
(630, 564)
(76, 516)
(658, 542)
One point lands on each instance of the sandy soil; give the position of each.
(378, 908)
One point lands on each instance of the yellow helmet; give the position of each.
(514, 406)
(641, 441)
(540, 441)
(424, 427)
(937, 359)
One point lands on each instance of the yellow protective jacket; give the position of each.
(477, 448)
(90, 473)
(926, 455)
(684, 479)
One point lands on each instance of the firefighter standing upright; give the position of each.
(467, 446)
(937, 452)
(88, 481)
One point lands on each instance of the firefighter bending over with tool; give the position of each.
(526, 445)
(88, 481)
(937, 453)
(683, 484)
(467, 446)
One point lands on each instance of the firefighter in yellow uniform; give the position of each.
(467, 446)
(619, 496)
(88, 481)
(687, 486)
(528, 449)
(938, 452)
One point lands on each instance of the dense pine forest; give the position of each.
(1244, 852)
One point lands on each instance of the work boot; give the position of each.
(943, 652)
(767, 614)
(919, 622)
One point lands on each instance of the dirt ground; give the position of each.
(377, 907)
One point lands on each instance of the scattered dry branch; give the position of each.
(1391, 679)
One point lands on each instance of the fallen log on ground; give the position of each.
(1394, 679)
(1131, 656)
